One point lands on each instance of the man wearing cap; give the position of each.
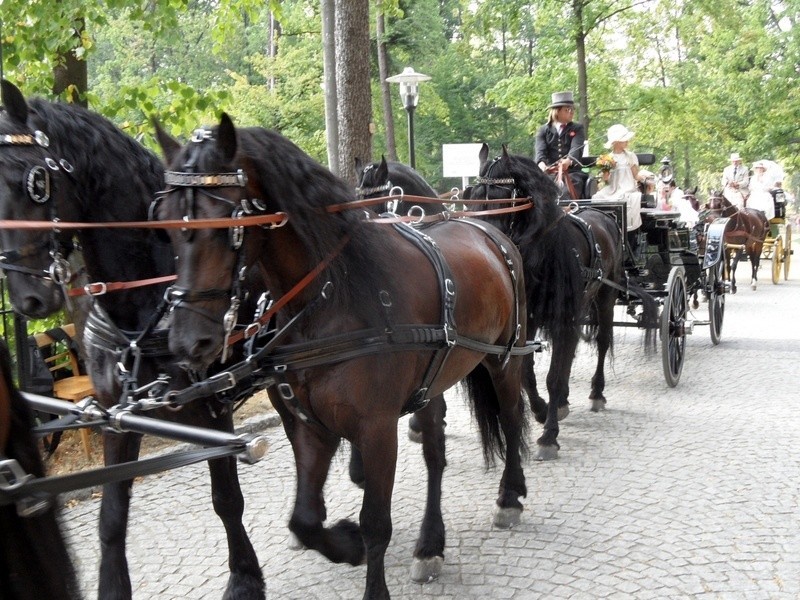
(736, 181)
(560, 143)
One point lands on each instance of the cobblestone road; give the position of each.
(691, 492)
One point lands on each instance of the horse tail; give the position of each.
(485, 408)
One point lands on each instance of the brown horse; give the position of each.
(34, 559)
(746, 231)
(368, 335)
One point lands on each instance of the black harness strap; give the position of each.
(594, 272)
(447, 289)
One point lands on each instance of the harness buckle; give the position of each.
(231, 383)
(100, 286)
(251, 330)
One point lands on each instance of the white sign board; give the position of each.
(460, 160)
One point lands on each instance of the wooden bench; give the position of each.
(73, 387)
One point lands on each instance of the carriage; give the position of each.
(778, 243)
(667, 263)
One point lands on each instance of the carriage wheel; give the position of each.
(716, 301)
(673, 334)
(787, 253)
(776, 260)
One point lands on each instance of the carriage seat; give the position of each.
(68, 383)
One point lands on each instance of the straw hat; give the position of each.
(735, 157)
(618, 133)
(559, 99)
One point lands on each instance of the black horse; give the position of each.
(358, 340)
(566, 257)
(35, 562)
(61, 161)
(390, 178)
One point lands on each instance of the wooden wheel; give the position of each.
(787, 253)
(715, 288)
(777, 255)
(673, 334)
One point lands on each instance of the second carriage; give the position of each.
(668, 265)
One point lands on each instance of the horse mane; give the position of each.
(410, 180)
(291, 181)
(547, 240)
(107, 162)
(34, 559)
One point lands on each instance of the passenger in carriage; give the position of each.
(622, 182)
(678, 201)
(560, 143)
(736, 181)
(760, 185)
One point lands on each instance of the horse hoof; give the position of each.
(425, 570)
(563, 411)
(753, 286)
(598, 404)
(294, 542)
(506, 518)
(546, 453)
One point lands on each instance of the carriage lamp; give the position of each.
(409, 81)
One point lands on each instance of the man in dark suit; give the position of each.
(560, 143)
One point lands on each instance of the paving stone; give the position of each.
(670, 493)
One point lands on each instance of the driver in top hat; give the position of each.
(560, 142)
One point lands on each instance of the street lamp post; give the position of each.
(409, 81)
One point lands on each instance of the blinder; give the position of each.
(38, 185)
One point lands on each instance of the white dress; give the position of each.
(760, 198)
(622, 185)
(689, 216)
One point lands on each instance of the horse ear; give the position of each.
(14, 101)
(226, 138)
(483, 154)
(359, 168)
(505, 151)
(169, 145)
(382, 172)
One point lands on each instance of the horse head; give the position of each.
(33, 180)
(204, 181)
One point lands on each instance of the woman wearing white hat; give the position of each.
(760, 185)
(623, 179)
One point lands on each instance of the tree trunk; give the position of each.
(580, 45)
(386, 92)
(353, 85)
(72, 71)
(329, 84)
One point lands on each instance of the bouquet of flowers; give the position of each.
(605, 162)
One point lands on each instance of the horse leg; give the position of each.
(538, 404)
(429, 552)
(512, 422)
(114, 582)
(313, 452)
(376, 520)
(605, 338)
(733, 265)
(755, 259)
(558, 390)
(246, 580)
